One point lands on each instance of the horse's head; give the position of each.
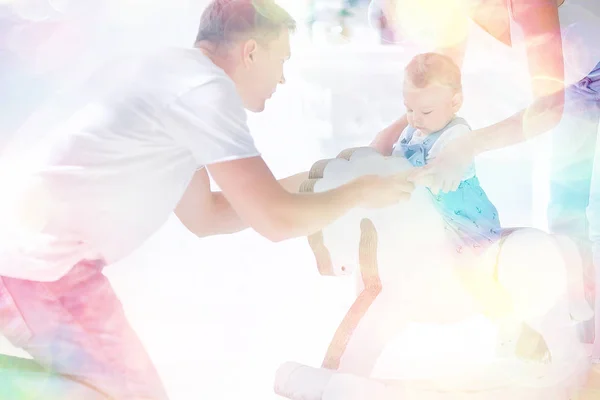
(409, 234)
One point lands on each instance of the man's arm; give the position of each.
(262, 202)
(292, 183)
(208, 213)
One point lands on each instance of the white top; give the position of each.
(580, 30)
(125, 159)
(448, 135)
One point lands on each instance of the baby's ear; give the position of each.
(457, 101)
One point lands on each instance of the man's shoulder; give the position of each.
(162, 76)
(188, 69)
(186, 61)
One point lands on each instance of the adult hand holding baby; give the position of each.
(445, 171)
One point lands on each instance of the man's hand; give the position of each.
(445, 172)
(383, 191)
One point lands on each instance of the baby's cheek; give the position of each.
(442, 120)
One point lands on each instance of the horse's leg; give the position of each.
(568, 356)
(374, 319)
(579, 308)
(556, 326)
(432, 298)
(383, 321)
(532, 269)
(491, 298)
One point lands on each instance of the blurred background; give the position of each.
(204, 305)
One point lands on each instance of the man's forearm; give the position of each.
(277, 214)
(226, 219)
(308, 213)
(292, 183)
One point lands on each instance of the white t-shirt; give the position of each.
(125, 159)
(448, 135)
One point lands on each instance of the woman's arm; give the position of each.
(541, 29)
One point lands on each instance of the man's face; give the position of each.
(262, 70)
(429, 109)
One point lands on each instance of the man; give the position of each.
(141, 147)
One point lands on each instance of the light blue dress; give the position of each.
(470, 216)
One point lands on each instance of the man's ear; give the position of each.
(457, 102)
(249, 52)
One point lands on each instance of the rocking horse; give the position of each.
(409, 271)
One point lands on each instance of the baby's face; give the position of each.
(429, 109)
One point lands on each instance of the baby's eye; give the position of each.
(427, 112)
(409, 110)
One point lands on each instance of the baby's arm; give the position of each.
(386, 139)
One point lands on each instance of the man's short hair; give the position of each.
(433, 68)
(226, 21)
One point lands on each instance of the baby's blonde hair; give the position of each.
(433, 68)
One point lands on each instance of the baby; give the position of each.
(433, 96)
